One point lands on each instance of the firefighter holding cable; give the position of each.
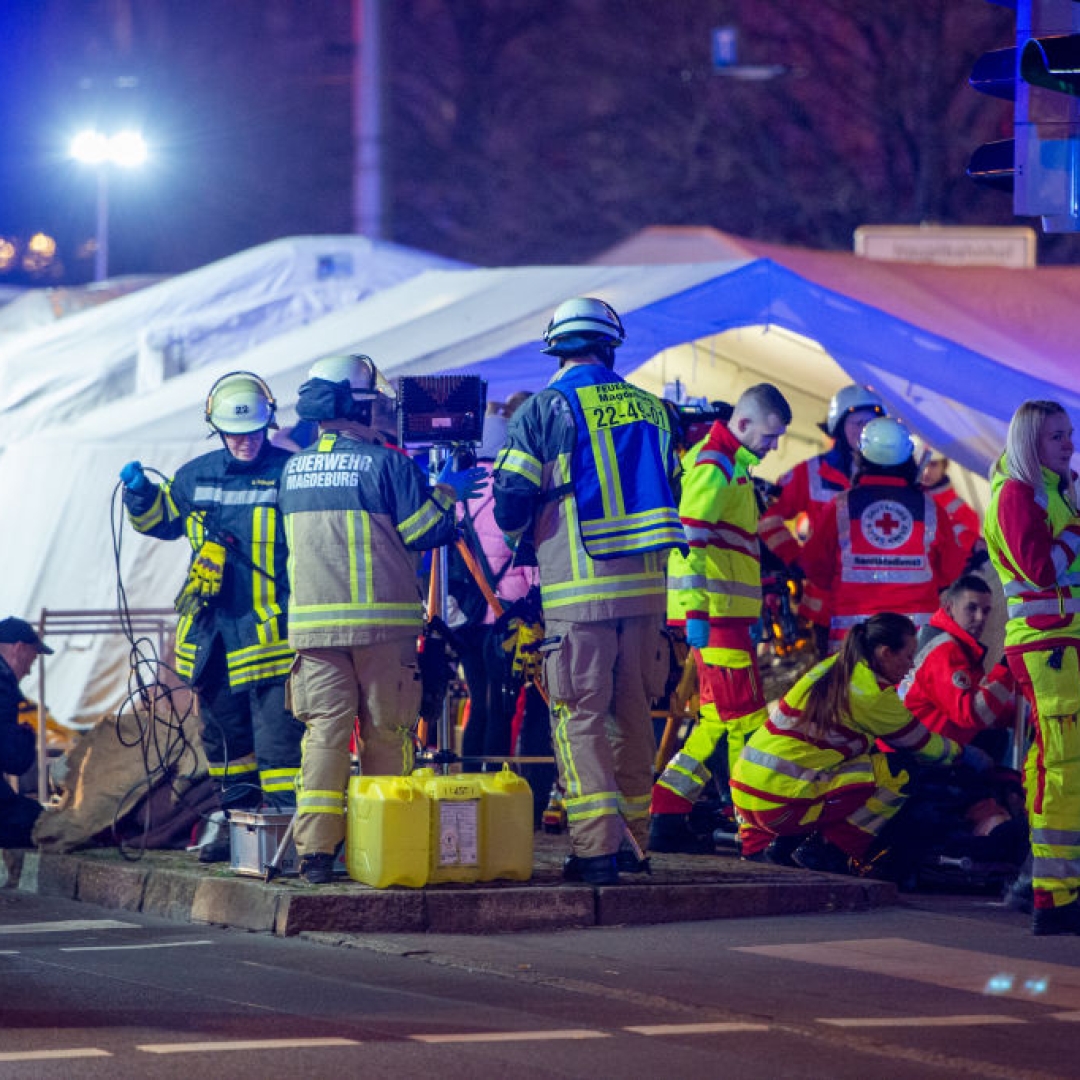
(587, 470)
(230, 638)
(357, 514)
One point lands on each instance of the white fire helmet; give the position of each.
(578, 322)
(851, 399)
(240, 403)
(358, 370)
(886, 441)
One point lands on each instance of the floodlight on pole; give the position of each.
(125, 150)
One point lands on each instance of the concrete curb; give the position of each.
(682, 888)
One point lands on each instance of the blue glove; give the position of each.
(133, 477)
(467, 484)
(978, 761)
(697, 632)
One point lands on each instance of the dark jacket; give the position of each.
(17, 740)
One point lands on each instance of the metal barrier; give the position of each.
(139, 621)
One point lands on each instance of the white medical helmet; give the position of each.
(886, 441)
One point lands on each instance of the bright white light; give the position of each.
(90, 147)
(126, 148)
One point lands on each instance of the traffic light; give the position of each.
(1041, 75)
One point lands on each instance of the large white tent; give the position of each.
(716, 327)
(54, 373)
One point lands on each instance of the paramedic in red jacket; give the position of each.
(811, 486)
(882, 546)
(947, 689)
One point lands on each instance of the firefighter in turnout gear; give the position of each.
(882, 546)
(357, 514)
(812, 485)
(1032, 531)
(230, 639)
(586, 476)
(714, 594)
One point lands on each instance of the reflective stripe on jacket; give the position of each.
(620, 465)
(782, 760)
(533, 497)
(878, 548)
(720, 577)
(947, 690)
(234, 503)
(1033, 539)
(356, 514)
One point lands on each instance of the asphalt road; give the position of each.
(940, 987)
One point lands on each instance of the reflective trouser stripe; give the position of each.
(1052, 773)
(278, 779)
(245, 766)
(320, 802)
(732, 704)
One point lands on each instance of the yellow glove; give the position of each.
(203, 580)
(526, 645)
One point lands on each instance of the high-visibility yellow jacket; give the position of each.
(234, 503)
(720, 578)
(1033, 539)
(782, 762)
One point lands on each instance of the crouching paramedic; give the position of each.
(588, 466)
(357, 513)
(812, 770)
(230, 639)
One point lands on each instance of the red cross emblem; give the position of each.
(887, 524)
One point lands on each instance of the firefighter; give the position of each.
(587, 473)
(1032, 532)
(357, 513)
(807, 489)
(812, 770)
(881, 545)
(947, 690)
(230, 638)
(714, 594)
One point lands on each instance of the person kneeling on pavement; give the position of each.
(811, 774)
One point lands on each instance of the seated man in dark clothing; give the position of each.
(19, 648)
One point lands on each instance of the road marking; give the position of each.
(512, 1036)
(694, 1029)
(118, 948)
(48, 1055)
(241, 1044)
(980, 973)
(916, 1021)
(65, 926)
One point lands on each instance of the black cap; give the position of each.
(13, 631)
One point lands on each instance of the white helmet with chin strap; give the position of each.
(240, 403)
(851, 399)
(886, 441)
(582, 325)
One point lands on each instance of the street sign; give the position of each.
(1011, 246)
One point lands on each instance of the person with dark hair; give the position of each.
(813, 770)
(1032, 531)
(881, 545)
(947, 689)
(586, 475)
(714, 596)
(356, 513)
(807, 489)
(20, 647)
